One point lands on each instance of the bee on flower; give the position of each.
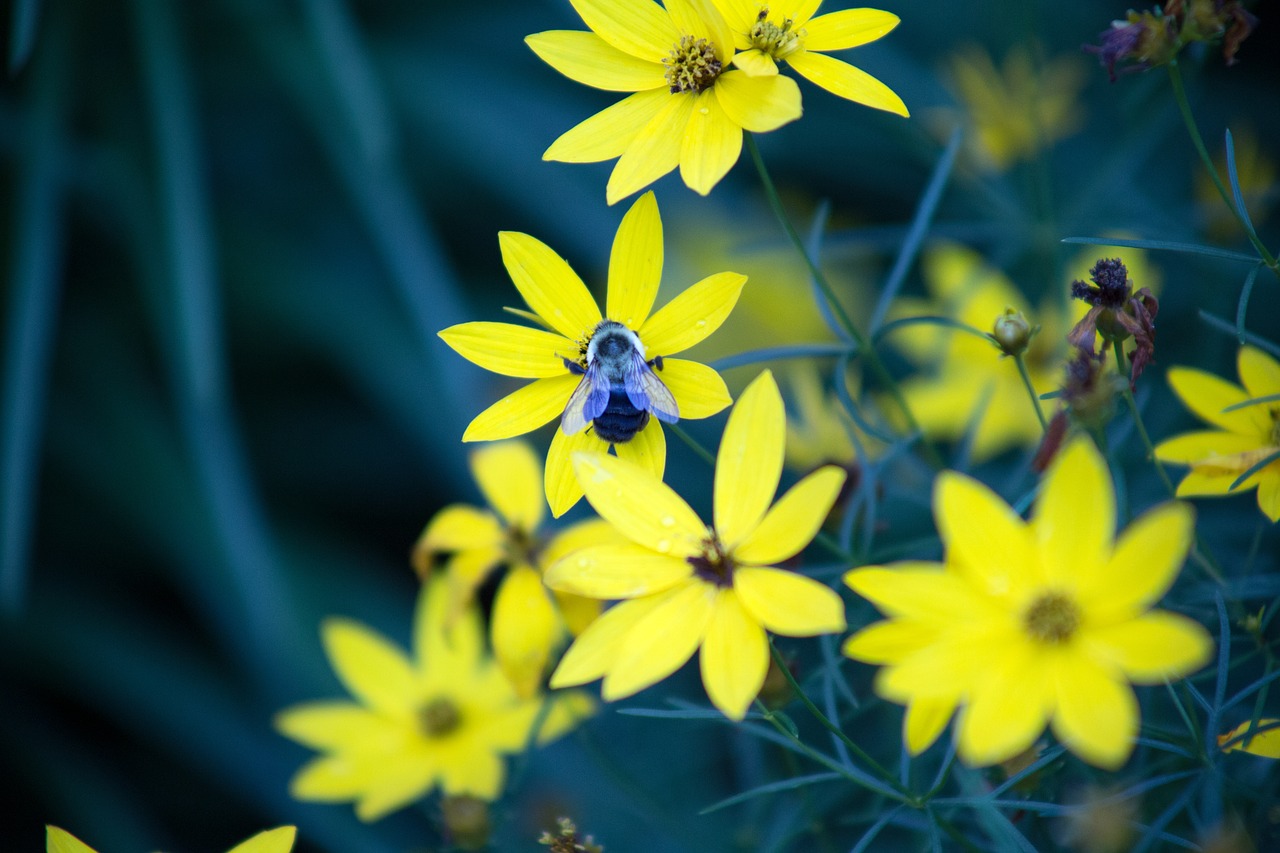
(609, 378)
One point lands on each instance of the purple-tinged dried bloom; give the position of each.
(1118, 313)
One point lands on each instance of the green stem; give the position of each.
(1031, 391)
(696, 446)
(1199, 553)
(842, 317)
(880, 771)
(1184, 106)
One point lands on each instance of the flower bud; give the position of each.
(466, 821)
(1012, 332)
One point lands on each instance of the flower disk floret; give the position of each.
(556, 357)
(443, 718)
(688, 107)
(1032, 623)
(689, 586)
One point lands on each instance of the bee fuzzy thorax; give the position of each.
(619, 390)
(615, 342)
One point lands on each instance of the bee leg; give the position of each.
(656, 362)
(573, 366)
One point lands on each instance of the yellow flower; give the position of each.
(1244, 436)
(278, 840)
(1037, 622)
(688, 109)
(787, 31)
(691, 586)
(1265, 742)
(528, 621)
(970, 386)
(1019, 108)
(555, 358)
(445, 717)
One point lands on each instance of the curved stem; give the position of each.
(837, 310)
(1031, 391)
(1184, 107)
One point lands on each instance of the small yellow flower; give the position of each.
(1244, 436)
(688, 109)
(443, 718)
(1036, 622)
(1265, 742)
(787, 31)
(556, 357)
(691, 586)
(969, 386)
(1019, 108)
(278, 840)
(528, 621)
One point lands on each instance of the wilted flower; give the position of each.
(1117, 313)
(1152, 38)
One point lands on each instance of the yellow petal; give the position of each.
(787, 603)
(799, 11)
(1213, 481)
(635, 264)
(589, 59)
(1262, 743)
(922, 591)
(842, 79)
(568, 709)
(523, 629)
(654, 151)
(609, 132)
(467, 570)
(509, 349)
(549, 286)
(711, 144)
(457, 527)
(1206, 446)
(924, 721)
(334, 778)
(648, 449)
(562, 488)
(1147, 558)
(58, 840)
(278, 840)
(701, 19)
(397, 784)
(1006, 712)
(847, 28)
(1152, 648)
(1207, 395)
(1097, 714)
(749, 461)
(509, 475)
(578, 612)
(698, 389)
(692, 315)
(792, 522)
(523, 410)
(584, 534)
(758, 104)
(334, 726)
(1269, 492)
(740, 16)
(370, 666)
(734, 658)
(616, 571)
(445, 641)
(1259, 372)
(596, 648)
(986, 540)
(890, 641)
(641, 507)
(661, 641)
(641, 29)
(755, 63)
(1075, 515)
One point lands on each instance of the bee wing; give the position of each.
(647, 393)
(586, 403)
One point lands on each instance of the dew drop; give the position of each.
(668, 521)
(700, 324)
(664, 546)
(705, 111)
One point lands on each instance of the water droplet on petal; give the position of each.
(700, 324)
(668, 521)
(705, 111)
(664, 546)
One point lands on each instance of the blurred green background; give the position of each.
(231, 230)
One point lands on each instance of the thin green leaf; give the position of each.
(1165, 246)
(928, 320)
(1215, 322)
(1252, 401)
(813, 245)
(1250, 689)
(1253, 469)
(1235, 186)
(851, 406)
(783, 353)
(1243, 305)
(772, 788)
(919, 228)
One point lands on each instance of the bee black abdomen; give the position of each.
(620, 421)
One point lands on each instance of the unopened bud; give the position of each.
(466, 820)
(1012, 332)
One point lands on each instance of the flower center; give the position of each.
(439, 718)
(1052, 618)
(714, 564)
(778, 41)
(692, 66)
(522, 546)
